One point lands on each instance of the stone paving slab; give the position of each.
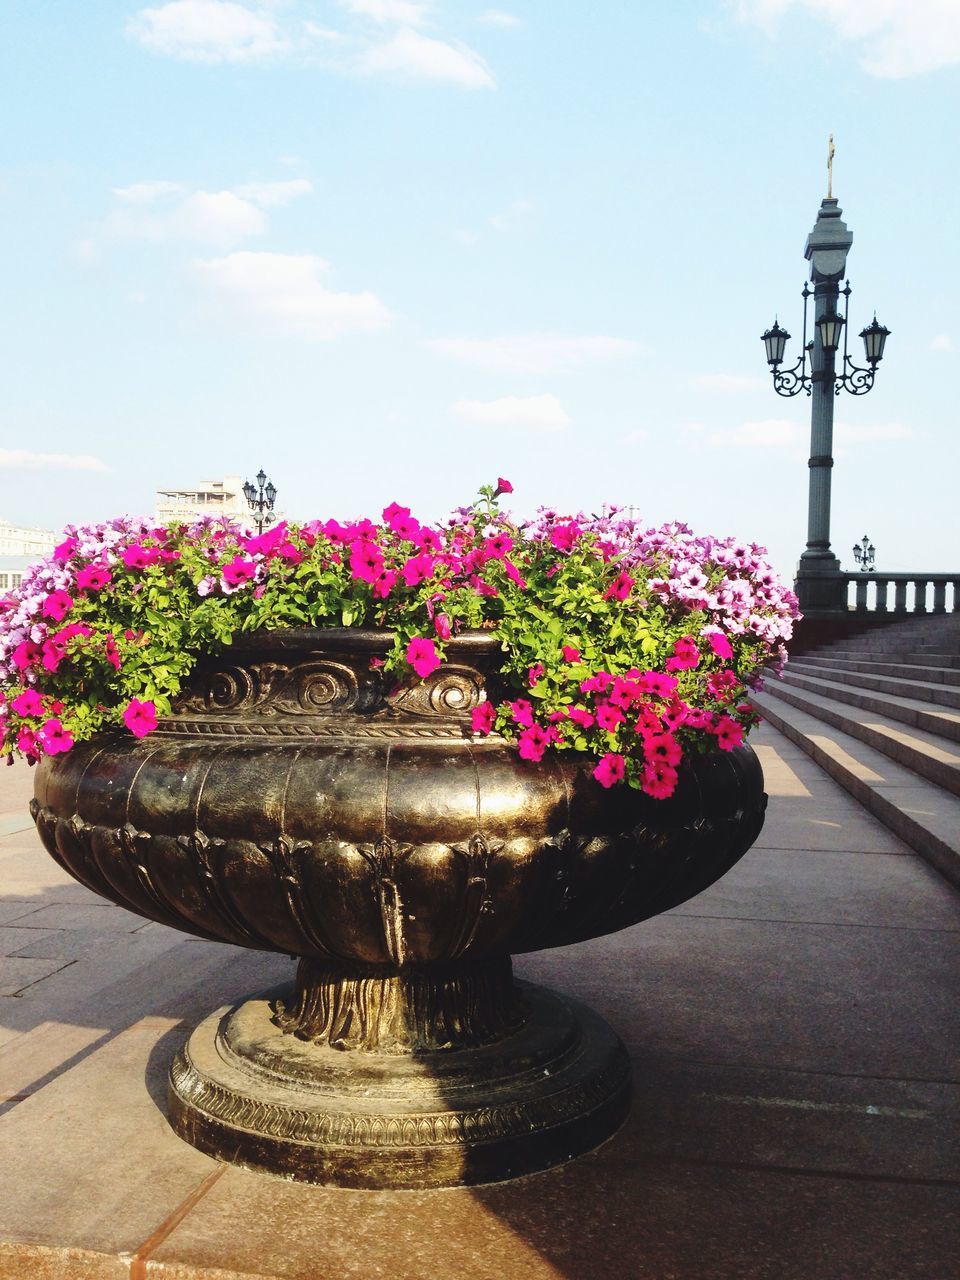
(795, 1044)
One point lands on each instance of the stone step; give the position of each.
(919, 714)
(907, 656)
(873, 665)
(927, 754)
(922, 814)
(905, 687)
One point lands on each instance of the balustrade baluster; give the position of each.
(861, 605)
(920, 599)
(939, 597)
(900, 596)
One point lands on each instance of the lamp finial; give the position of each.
(831, 151)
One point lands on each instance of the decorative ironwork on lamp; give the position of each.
(852, 378)
(261, 499)
(865, 554)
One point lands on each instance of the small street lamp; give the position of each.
(865, 554)
(261, 499)
(818, 583)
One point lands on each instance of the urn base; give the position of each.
(247, 1093)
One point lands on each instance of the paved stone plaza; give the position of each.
(794, 1032)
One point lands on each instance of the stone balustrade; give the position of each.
(901, 593)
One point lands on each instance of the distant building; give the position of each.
(20, 547)
(208, 498)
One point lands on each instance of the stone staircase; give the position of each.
(881, 714)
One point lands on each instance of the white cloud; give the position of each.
(499, 18)
(637, 436)
(898, 37)
(421, 57)
(146, 192)
(942, 342)
(730, 381)
(401, 12)
(764, 434)
(543, 413)
(218, 218)
(535, 352)
(208, 31)
(286, 292)
(269, 194)
(24, 460)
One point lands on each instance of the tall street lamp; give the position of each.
(261, 499)
(818, 584)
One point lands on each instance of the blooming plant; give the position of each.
(635, 645)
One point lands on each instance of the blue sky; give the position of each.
(391, 249)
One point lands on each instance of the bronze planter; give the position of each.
(295, 801)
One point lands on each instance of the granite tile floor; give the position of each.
(796, 1047)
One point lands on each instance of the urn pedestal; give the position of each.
(296, 802)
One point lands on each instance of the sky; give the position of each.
(390, 250)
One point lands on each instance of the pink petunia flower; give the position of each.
(720, 645)
(384, 583)
(620, 587)
(93, 578)
(610, 770)
(441, 624)
(139, 557)
(28, 703)
(25, 655)
(57, 605)
(729, 734)
(533, 742)
(239, 571)
(522, 712)
(483, 718)
(422, 656)
(503, 486)
(686, 655)
(570, 654)
(609, 716)
(418, 568)
(140, 717)
(580, 716)
(366, 561)
(534, 673)
(54, 738)
(112, 652)
(659, 780)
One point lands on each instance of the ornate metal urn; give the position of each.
(296, 802)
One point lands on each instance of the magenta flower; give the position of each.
(483, 718)
(566, 535)
(729, 734)
(422, 656)
(659, 780)
(522, 712)
(534, 673)
(620, 587)
(503, 486)
(93, 578)
(720, 645)
(513, 573)
(384, 583)
(609, 716)
(54, 738)
(63, 552)
(686, 655)
(580, 716)
(25, 655)
(366, 561)
(239, 571)
(139, 557)
(28, 703)
(497, 547)
(570, 654)
(663, 747)
(112, 653)
(441, 624)
(57, 605)
(27, 745)
(417, 569)
(533, 742)
(610, 770)
(140, 717)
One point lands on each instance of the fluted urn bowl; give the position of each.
(297, 801)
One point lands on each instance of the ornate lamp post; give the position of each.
(865, 554)
(261, 499)
(818, 582)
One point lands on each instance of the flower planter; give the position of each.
(295, 802)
